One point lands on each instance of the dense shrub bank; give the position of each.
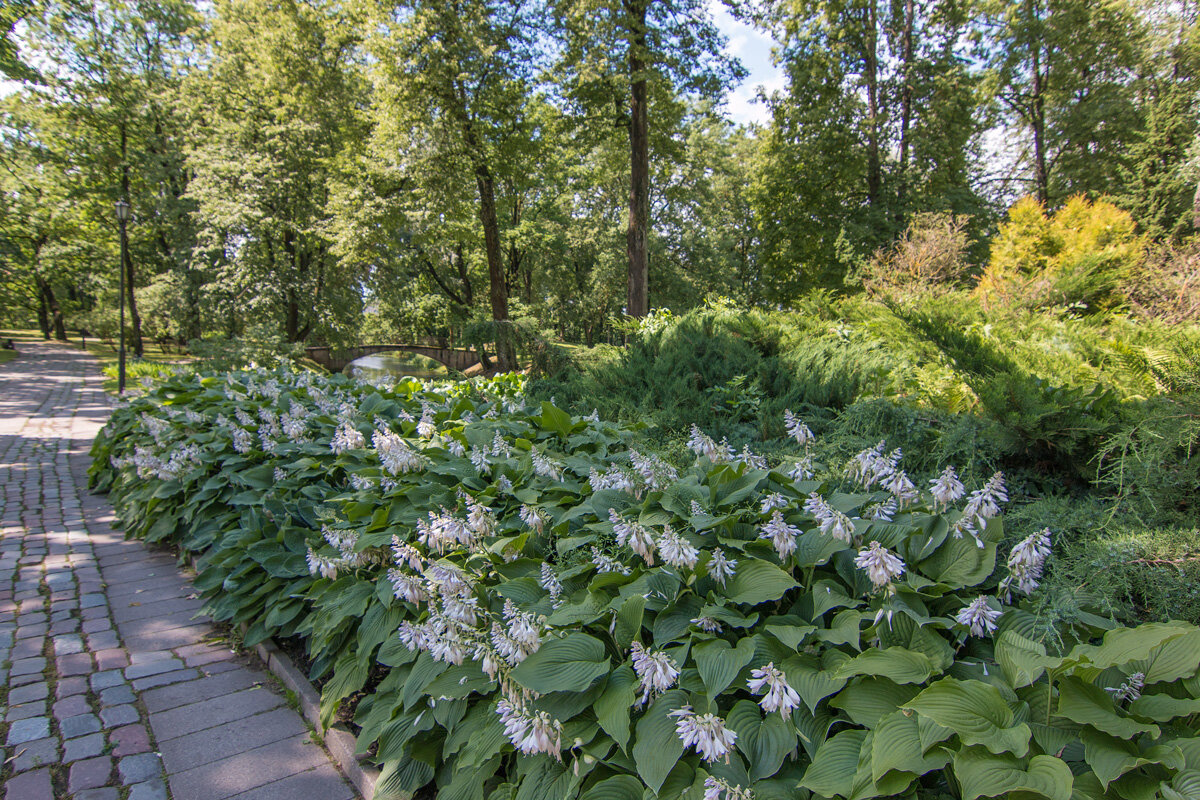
(535, 607)
(1079, 411)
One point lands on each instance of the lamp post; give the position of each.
(123, 216)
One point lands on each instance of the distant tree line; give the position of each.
(332, 171)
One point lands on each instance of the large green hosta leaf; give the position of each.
(757, 581)
(1088, 704)
(1110, 757)
(984, 774)
(569, 664)
(975, 711)
(658, 747)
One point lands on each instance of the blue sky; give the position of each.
(754, 50)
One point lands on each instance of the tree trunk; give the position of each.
(906, 98)
(871, 70)
(1037, 106)
(43, 313)
(637, 298)
(135, 320)
(506, 355)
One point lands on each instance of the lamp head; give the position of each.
(123, 210)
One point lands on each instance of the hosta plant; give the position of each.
(527, 604)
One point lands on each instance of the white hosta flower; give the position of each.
(880, 564)
(676, 550)
(721, 789)
(546, 467)
(781, 535)
(531, 734)
(946, 488)
(656, 670)
(780, 696)
(534, 517)
(479, 460)
(802, 470)
(244, 418)
(721, 568)
(702, 445)
(695, 509)
(901, 486)
(500, 447)
(833, 522)
(449, 580)
(405, 553)
(706, 733)
(395, 455)
(882, 511)
(464, 610)
(981, 506)
(346, 438)
(633, 536)
(243, 442)
(657, 473)
(407, 587)
(481, 522)
(1131, 689)
(320, 565)
(455, 447)
(772, 501)
(444, 531)
(426, 427)
(707, 624)
(979, 617)
(796, 428)
(1026, 562)
(606, 563)
(751, 459)
(549, 581)
(612, 478)
(504, 484)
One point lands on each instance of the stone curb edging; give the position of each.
(337, 737)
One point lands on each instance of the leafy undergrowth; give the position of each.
(558, 614)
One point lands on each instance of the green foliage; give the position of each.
(1083, 255)
(449, 556)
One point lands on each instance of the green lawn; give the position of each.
(105, 352)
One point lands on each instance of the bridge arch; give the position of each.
(336, 359)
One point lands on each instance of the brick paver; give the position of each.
(116, 686)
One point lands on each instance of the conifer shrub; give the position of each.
(533, 605)
(1082, 255)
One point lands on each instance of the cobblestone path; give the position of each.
(110, 687)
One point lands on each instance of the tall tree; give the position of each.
(11, 65)
(620, 59)
(274, 109)
(876, 124)
(453, 81)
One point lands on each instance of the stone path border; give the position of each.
(112, 686)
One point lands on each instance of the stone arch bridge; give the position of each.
(336, 359)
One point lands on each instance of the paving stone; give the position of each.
(31, 755)
(146, 668)
(115, 716)
(26, 710)
(117, 695)
(230, 739)
(107, 679)
(66, 645)
(29, 693)
(89, 773)
(27, 666)
(71, 706)
(157, 790)
(29, 786)
(84, 747)
(323, 784)
(139, 768)
(112, 658)
(27, 730)
(250, 769)
(203, 689)
(80, 725)
(166, 678)
(129, 740)
(92, 601)
(220, 710)
(71, 686)
(74, 664)
(103, 793)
